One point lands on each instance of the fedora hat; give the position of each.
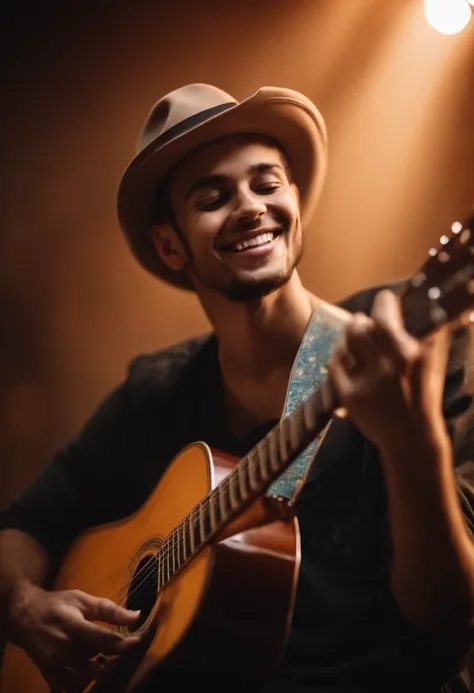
(198, 114)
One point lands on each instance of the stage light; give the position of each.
(448, 16)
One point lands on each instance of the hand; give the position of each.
(56, 631)
(387, 382)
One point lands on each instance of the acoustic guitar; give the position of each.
(212, 557)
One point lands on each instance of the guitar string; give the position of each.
(193, 519)
(253, 460)
(169, 543)
(168, 549)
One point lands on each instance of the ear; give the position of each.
(169, 247)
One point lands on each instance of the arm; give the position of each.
(23, 563)
(56, 628)
(432, 574)
(391, 387)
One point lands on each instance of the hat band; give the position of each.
(196, 119)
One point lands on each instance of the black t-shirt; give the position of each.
(347, 634)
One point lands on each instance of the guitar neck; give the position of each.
(438, 293)
(249, 480)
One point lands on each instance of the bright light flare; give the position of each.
(448, 16)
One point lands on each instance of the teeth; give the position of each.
(252, 242)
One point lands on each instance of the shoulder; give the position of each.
(162, 372)
(159, 366)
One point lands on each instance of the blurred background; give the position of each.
(78, 81)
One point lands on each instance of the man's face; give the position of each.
(237, 217)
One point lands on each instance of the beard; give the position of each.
(251, 290)
(248, 289)
(241, 290)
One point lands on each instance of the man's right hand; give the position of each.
(57, 632)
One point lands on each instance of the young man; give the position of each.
(215, 201)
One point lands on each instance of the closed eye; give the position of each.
(211, 203)
(268, 189)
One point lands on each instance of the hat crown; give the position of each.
(177, 106)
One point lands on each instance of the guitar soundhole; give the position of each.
(143, 590)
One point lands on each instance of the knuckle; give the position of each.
(75, 595)
(106, 606)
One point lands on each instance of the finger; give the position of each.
(387, 309)
(358, 344)
(102, 640)
(107, 611)
(435, 356)
(390, 333)
(341, 379)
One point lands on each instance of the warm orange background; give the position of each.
(398, 99)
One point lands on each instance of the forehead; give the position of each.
(230, 157)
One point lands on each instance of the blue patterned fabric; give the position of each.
(309, 371)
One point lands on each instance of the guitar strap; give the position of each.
(309, 370)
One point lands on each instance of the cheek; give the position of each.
(202, 232)
(287, 204)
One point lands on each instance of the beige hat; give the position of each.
(198, 114)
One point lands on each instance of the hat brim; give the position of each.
(284, 115)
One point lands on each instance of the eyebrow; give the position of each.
(218, 179)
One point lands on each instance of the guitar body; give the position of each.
(233, 599)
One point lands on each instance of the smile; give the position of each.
(257, 242)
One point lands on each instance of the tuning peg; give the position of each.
(434, 293)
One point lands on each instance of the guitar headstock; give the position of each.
(443, 288)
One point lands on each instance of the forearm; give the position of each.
(23, 562)
(433, 562)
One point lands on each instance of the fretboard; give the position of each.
(246, 483)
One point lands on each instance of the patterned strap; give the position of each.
(309, 371)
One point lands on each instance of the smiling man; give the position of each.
(244, 235)
(215, 201)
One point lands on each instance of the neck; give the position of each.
(256, 338)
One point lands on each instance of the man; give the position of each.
(215, 201)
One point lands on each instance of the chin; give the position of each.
(242, 290)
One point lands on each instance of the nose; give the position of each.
(250, 206)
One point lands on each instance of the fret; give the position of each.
(308, 408)
(262, 461)
(167, 570)
(214, 510)
(243, 479)
(252, 465)
(282, 441)
(201, 524)
(173, 552)
(224, 498)
(233, 496)
(273, 453)
(184, 538)
(178, 547)
(190, 532)
(296, 430)
(206, 505)
(221, 499)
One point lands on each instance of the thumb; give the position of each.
(107, 611)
